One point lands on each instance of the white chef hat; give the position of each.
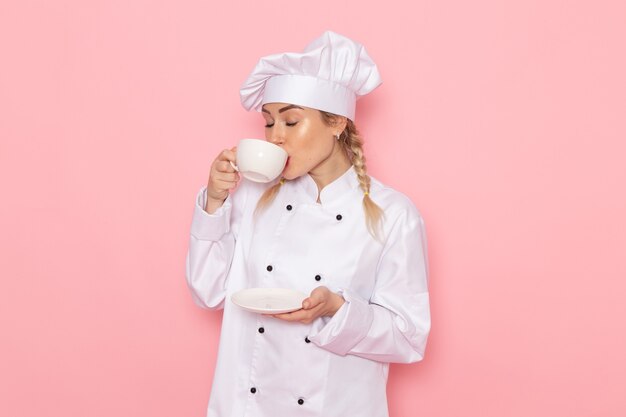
(330, 75)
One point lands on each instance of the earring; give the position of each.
(337, 136)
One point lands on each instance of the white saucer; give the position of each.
(269, 300)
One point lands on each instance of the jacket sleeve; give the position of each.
(211, 248)
(393, 325)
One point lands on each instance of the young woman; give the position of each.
(325, 228)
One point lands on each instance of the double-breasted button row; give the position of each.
(289, 207)
(270, 268)
(300, 400)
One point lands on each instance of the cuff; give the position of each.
(347, 327)
(205, 226)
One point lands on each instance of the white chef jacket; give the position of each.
(333, 367)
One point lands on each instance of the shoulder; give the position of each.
(397, 206)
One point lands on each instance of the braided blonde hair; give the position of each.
(352, 145)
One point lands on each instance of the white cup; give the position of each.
(259, 160)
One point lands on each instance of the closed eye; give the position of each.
(288, 124)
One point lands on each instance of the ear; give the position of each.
(340, 122)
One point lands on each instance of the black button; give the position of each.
(289, 207)
(253, 390)
(317, 277)
(306, 339)
(269, 268)
(261, 330)
(300, 401)
(339, 217)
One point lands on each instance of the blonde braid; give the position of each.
(268, 196)
(354, 145)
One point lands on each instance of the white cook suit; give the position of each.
(333, 367)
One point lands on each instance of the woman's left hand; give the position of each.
(322, 302)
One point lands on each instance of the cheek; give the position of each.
(322, 148)
(309, 143)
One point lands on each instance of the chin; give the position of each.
(291, 174)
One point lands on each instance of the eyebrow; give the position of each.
(291, 106)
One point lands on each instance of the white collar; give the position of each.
(333, 191)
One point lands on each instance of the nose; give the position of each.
(275, 136)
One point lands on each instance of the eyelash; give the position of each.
(288, 124)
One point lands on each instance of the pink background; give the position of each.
(502, 120)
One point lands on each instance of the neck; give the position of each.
(331, 168)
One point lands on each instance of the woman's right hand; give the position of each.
(222, 179)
